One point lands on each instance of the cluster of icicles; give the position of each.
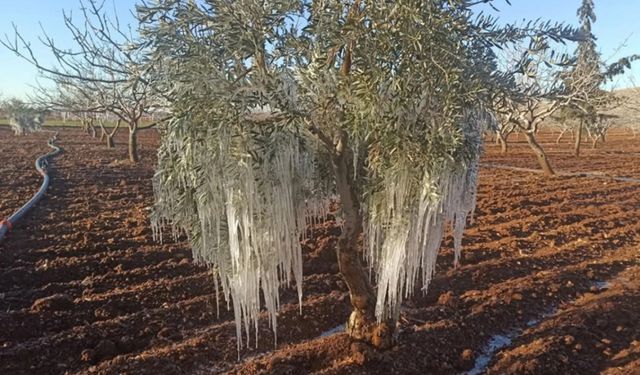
(249, 219)
(246, 219)
(406, 221)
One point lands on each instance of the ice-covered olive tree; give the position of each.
(281, 106)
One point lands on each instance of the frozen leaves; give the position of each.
(244, 214)
(407, 219)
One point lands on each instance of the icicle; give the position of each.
(243, 218)
(406, 220)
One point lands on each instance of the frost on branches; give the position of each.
(406, 220)
(272, 122)
(245, 207)
(244, 213)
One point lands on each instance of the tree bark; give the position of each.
(110, 143)
(362, 324)
(576, 147)
(540, 154)
(561, 135)
(133, 143)
(502, 138)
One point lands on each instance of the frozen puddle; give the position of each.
(602, 285)
(333, 331)
(496, 343)
(501, 341)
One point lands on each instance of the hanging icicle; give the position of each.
(407, 218)
(251, 211)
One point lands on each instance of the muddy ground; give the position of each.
(549, 282)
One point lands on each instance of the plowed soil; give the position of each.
(549, 281)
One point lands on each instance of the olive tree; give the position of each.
(585, 79)
(505, 121)
(280, 106)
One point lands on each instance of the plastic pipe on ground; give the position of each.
(41, 167)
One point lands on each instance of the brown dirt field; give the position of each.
(550, 274)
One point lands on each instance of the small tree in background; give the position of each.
(505, 121)
(584, 82)
(587, 70)
(537, 93)
(599, 127)
(23, 118)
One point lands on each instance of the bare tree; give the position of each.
(505, 124)
(104, 68)
(536, 94)
(599, 127)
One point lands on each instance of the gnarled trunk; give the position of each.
(540, 154)
(362, 324)
(502, 138)
(110, 142)
(92, 129)
(596, 141)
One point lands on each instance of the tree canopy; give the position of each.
(281, 106)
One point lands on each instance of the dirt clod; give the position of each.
(105, 349)
(56, 302)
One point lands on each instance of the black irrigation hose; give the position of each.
(41, 167)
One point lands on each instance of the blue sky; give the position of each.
(617, 21)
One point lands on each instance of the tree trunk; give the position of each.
(110, 143)
(540, 154)
(561, 135)
(133, 143)
(502, 138)
(362, 324)
(576, 147)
